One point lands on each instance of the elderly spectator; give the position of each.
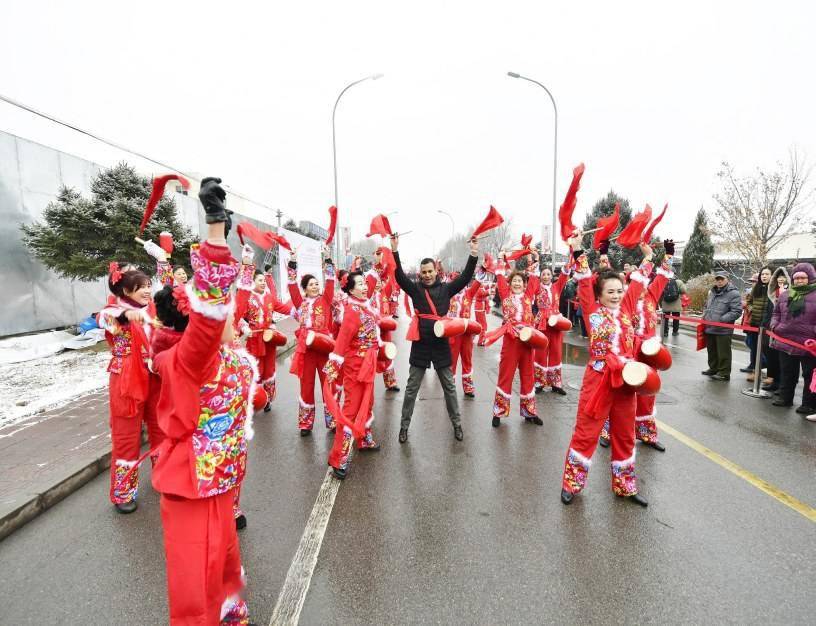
(794, 318)
(722, 305)
(757, 302)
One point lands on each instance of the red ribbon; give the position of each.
(413, 329)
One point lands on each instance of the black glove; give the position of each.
(212, 196)
(668, 245)
(329, 262)
(267, 267)
(292, 264)
(228, 223)
(604, 247)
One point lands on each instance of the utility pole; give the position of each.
(279, 215)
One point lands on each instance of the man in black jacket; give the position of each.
(427, 348)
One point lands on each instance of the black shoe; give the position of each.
(539, 390)
(781, 402)
(496, 422)
(559, 391)
(708, 372)
(637, 499)
(805, 410)
(604, 442)
(457, 432)
(305, 432)
(268, 407)
(656, 445)
(240, 522)
(747, 370)
(339, 474)
(567, 496)
(675, 333)
(720, 377)
(771, 387)
(403, 435)
(470, 394)
(374, 448)
(394, 389)
(534, 420)
(126, 507)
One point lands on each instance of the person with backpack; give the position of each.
(672, 306)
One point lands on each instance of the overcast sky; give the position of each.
(651, 98)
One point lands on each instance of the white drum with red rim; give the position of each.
(450, 327)
(559, 322)
(319, 342)
(534, 338)
(654, 353)
(643, 378)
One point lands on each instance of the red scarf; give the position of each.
(413, 329)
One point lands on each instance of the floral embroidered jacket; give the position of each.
(517, 309)
(257, 309)
(645, 320)
(205, 404)
(312, 313)
(548, 299)
(358, 341)
(462, 303)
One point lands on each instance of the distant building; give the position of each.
(310, 229)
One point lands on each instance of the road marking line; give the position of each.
(785, 498)
(296, 586)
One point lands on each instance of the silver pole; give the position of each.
(555, 159)
(755, 391)
(338, 236)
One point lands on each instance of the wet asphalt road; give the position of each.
(442, 532)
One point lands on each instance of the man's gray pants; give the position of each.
(415, 376)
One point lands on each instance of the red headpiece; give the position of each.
(182, 301)
(114, 272)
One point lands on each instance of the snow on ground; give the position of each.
(47, 382)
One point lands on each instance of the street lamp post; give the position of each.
(555, 159)
(338, 241)
(450, 217)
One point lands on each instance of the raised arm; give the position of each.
(639, 281)
(292, 286)
(405, 283)
(461, 281)
(328, 285)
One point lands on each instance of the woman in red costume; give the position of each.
(380, 287)
(548, 361)
(256, 302)
(205, 408)
(127, 326)
(517, 295)
(355, 355)
(461, 305)
(312, 309)
(608, 314)
(480, 307)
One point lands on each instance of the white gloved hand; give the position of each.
(156, 251)
(247, 254)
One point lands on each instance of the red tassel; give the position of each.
(608, 225)
(332, 224)
(380, 226)
(647, 234)
(568, 207)
(526, 240)
(264, 238)
(156, 194)
(631, 235)
(490, 222)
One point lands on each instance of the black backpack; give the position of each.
(671, 292)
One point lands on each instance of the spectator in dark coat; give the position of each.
(794, 318)
(756, 302)
(427, 348)
(778, 284)
(722, 305)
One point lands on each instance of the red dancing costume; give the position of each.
(313, 314)
(548, 362)
(382, 290)
(461, 305)
(480, 307)
(603, 393)
(205, 408)
(257, 308)
(517, 311)
(355, 358)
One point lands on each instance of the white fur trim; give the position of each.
(581, 275)
(501, 393)
(123, 463)
(636, 275)
(665, 273)
(336, 358)
(527, 396)
(212, 311)
(370, 420)
(253, 386)
(585, 460)
(643, 418)
(305, 405)
(540, 367)
(626, 462)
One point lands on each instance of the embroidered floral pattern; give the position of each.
(624, 480)
(646, 428)
(605, 430)
(236, 504)
(554, 377)
(367, 441)
(527, 406)
(164, 273)
(576, 470)
(518, 308)
(211, 281)
(271, 388)
(390, 378)
(306, 415)
(467, 383)
(540, 375)
(124, 487)
(219, 441)
(345, 449)
(501, 404)
(236, 614)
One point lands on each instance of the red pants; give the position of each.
(548, 362)
(588, 428)
(267, 367)
(388, 374)
(313, 363)
(645, 426)
(204, 574)
(515, 355)
(481, 317)
(462, 346)
(126, 437)
(354, 392)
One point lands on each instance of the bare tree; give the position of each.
(454, 253)
(756, 212)
(498, 238)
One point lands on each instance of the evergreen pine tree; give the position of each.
(617, 255)
(698, 256)
(80, 237)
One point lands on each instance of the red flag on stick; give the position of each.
(568, 206)
(490, 222)
(380, 226)
(156, 194)
(631, 235)
(332, 224)
(264, 238)
(647, 234)
(607, 226)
